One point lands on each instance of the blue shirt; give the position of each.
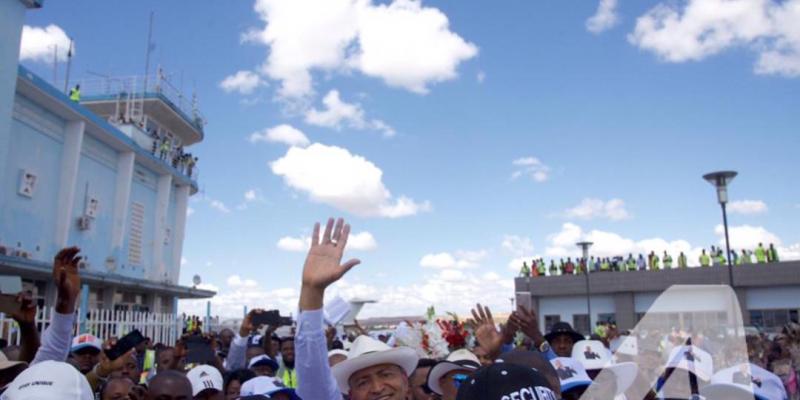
(314, 377)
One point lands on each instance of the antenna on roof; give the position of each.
(150, 47)
(69, 64)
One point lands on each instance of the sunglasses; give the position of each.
(459, 379)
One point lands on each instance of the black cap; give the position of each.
(502, 381)
(563, 328)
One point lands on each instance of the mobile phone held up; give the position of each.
(271, 318)
(125, 344)
(199, 350)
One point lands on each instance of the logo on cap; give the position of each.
(590, 355)
(744, 378)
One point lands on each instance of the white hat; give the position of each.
(266, 386)
(571, 373)
(337, 352)
(626, 345)
(264, 359)
(49, 380)
(458, 360)
(593, 355)
(367, 352)
(745, 381)
(692, 359)
(204, 377)
(86, 340)
(5, 363)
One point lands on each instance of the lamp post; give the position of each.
(585, 248)
(720, 180)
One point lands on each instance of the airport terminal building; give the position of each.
(768, 295)
(90, 173)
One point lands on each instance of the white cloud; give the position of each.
(590, 208)
(747, 207)
(531, 166)
(295, 244)
(239, 293)
(220, 206)
(517, 245)
(282, 133)
(348, 182)
(605, 18)
(445, 260)
(338, 113)
(250, 195)
(40, 44)
(403, 43)
(363, 241)
(189, 211)
(516, 263)
(610, 244)
(184, 261)
(237, 281)
(746, 236)
(244, 82)
(696, 29)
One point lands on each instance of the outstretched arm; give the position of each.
(57, 338)
(322, 268)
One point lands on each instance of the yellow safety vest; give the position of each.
(289, 378)
(75, 95)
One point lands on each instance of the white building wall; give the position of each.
(567, 306)
(773, 298)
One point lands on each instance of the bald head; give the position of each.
(170, 385)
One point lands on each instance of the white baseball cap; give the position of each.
(593, 355)
(266, 386)
(49, 380)
(571, 373)
(744, 381)
(84, 341)
(692, 359)
(204, 377)
(626, 345)
(461, 359)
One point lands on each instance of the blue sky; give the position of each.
(464, 136)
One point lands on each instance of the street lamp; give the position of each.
(585, 247)
(720, 180)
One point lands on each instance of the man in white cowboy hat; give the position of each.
(447, 376)
(596, 358)
(372, 369)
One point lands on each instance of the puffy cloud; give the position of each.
(747, 207)
(531, 166)
(516, 263)
(590, 208)
(239, 293)
(610, 244)
(746, 236)
(605, 18)
(39, 44)
(338, 113)
(695, 29)
(244, 82)
(348, 182)
(237, 281)
(282, 133)
(361, 241)
(403, 43)
(250, 195)
(296, 244)
(517, 245)
(445, 260)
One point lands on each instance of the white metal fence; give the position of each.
(161, 328)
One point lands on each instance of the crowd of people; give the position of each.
(438, 359)
(175, 155)
(650, 262)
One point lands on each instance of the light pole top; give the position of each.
(720, 180)
(584, 245)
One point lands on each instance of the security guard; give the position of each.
(75, 94)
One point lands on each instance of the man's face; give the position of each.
(85, 359)
(449, 384)
(562, 345)
(417, 382)
(381, 382)
(233, 390)
(166, 360)
(129, 370)
(118, 389)
(287, 351)
(263, 370)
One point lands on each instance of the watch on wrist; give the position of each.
(544, 347)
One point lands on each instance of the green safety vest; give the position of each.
(525, 271)
(655, 262)
(761, 255)
(605, 266)
(631, 265)
(75, 95)
(720, 259)
(682, 261)
(667, 261)
(289, 378)
(705, 260)
(772, 255)
(540, 267)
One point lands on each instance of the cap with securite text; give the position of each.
(502, 381)
(49, 380)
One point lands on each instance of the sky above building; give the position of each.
(457, 138)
